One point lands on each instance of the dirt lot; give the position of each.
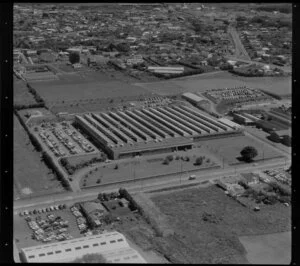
(269, 248)
(229, 148)
(145, 167)
(210, 222)
(279, 85)
(31, 175)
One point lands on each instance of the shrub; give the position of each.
(199, 161)
(166, 161)
(274, 137)
(98, 181)
(169, 158)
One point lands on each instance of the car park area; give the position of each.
(63, 139)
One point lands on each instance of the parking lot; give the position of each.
(63, 139)
(42, 227)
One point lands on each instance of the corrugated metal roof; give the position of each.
(192, 96)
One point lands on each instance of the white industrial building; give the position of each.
(113, 246)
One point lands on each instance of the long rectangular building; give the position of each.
(113, 246)
(151, 130)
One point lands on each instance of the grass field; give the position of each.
(200, 83)
(229, 148)
(269, 248)
(31, 176)
(145, 167)
(81, 91)
(208, 223)
(21, 93)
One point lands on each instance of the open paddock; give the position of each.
(83, 91)
(211, 222)
(200, 83)
(21, 94)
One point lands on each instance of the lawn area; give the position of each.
(31, 175)
(201, 83)
(269, 248)
(59, 91)
(21, 93)
(229, 148)
(208, 223)
(145, 167)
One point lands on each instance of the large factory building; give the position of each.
(152, 130)
(113, 246)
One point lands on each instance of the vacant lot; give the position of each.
(269, 248)
(208, 223)
(201, 83)
(145, 167)
(229, 148)
(31, 175)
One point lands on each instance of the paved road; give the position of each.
(240, 51)
(146, 185)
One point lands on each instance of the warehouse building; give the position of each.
(166, 70)
(151, 130)
(113, 246)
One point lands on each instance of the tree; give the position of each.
(199, 160)
(74, 58)
(274, 137)
(91, 258)
(248, 153)
(286, 140)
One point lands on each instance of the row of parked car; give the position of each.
(81, 221)
(63, 138)
(78, 138)
(43, 210)
(51, 143)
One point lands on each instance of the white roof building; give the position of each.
(113, 246)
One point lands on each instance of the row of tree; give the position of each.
(72, 168)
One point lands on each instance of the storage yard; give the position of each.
(155, 129)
